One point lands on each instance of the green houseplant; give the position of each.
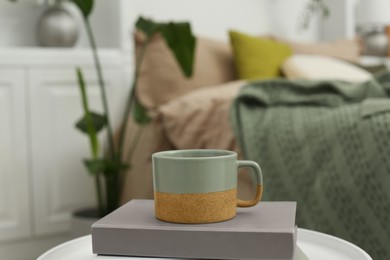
(109, 169)
(312, 8)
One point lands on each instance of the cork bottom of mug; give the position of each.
(196, 208)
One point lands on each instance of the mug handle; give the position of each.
(259, 183)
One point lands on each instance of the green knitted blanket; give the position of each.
(325, 145)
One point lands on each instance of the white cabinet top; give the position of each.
(57, 56)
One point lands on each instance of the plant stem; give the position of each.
(135, 142)
(130, 153)
(102, 86)
(130, 99)
(101, 206)
(129, 105)
(113, 193)
(94, 142)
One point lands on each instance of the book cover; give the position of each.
(266, 231)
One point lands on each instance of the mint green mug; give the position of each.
(199, 186)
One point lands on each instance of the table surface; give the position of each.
(315, 245)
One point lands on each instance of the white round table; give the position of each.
(315, 245)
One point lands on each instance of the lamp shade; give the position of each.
(373, 12)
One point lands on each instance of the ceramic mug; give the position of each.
(199, 186)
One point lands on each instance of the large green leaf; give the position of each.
(112, 167)
(180, 40)
(178, 37)
(85, 6)
(97, 166)
(99, 121)
(147, 26)
(140, 115)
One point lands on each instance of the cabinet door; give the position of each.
(14, 179)
(61, 183)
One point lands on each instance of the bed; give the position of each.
(202, 113)
(308, 136)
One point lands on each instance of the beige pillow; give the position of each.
(315, 67)
(348, 50)
(162, 80)
(208, 109)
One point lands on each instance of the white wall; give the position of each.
(341, 21)
(208, 17)
(285, 18)
(287, 14)
(105, 21)
(113, 20)
(18, 23)
(214, 17)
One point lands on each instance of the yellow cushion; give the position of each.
(257, 58)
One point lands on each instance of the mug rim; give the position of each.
(172, 154)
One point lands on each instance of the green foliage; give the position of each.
(111, 167)
(140, 114)
(178, 37)
(147, 26)
(99, 121)
(312, 8)
(180, 40)
(85, 6)
(89, 126)
(98, 166)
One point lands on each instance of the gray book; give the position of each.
(266, 231)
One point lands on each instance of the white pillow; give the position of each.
(315, 67)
